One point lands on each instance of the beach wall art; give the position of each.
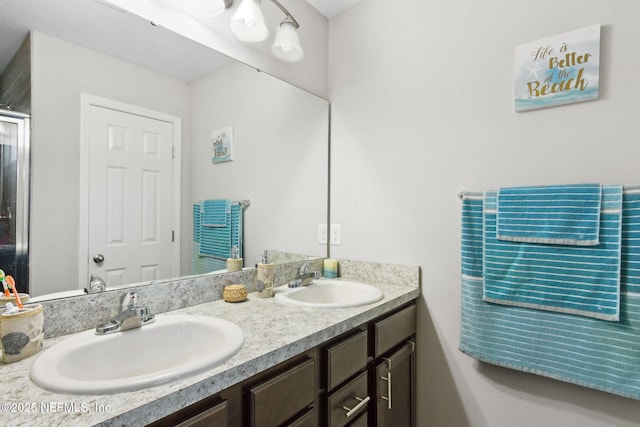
(558, 70)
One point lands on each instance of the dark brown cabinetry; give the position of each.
(395, 388)
(278, 400)
(368, 374)
(394, 369)
(217, 416)
(364, 378)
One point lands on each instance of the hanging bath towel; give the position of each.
(558, 214)
(582, 280)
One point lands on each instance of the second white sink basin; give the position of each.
(330, 293)
(171, 348)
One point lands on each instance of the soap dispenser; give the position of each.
(265, 273)
(235, 262)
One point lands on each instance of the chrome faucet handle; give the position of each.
(128, 300)
(302, 269)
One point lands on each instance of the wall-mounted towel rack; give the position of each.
(243, 203)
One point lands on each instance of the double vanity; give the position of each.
(317, 355)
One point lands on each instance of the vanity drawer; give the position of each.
(218, 416)
(306, 420)
(345, 359)
(348, 401)
(278, 399)
(394, 329)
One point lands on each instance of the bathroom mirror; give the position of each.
(280, 158)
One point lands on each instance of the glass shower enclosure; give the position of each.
(14, 196)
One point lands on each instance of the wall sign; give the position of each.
(222, 141)
(558, 70)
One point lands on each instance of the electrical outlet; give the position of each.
(336, 234)
(322, 234)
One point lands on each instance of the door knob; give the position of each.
(98, 259)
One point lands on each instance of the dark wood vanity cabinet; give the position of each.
(395, 388)
(368, 374)
(284, 398)
(364, 378)
(344, 379)
(283, 395)
(394, 369)
(216, 416)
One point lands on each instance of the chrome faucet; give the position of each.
(130, 316)
(96, 284)
(302, 277)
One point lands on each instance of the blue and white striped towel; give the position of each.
(557, 214)
(582, 280)
(215, 212)
(577, 349)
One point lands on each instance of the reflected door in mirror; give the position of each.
(130, 197)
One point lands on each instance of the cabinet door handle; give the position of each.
(361, 403)
(388, 396)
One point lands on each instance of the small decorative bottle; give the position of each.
(265, 274)
(235, 262)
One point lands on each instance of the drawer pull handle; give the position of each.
(362, 402)
(388, 396)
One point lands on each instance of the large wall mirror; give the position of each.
(81, 48)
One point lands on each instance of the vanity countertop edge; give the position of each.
(274, 332)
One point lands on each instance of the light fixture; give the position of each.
(248, 25)
(286, 44)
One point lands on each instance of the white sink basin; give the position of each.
(330, 293)
(173, 347)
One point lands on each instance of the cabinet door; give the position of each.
(395, 388)
(277, 400)
(306, 420)
(212, 417)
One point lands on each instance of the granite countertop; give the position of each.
(274, 332)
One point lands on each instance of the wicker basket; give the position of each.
(234, 293)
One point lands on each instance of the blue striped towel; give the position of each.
(569, 279)
(197, 221)
(217, 241)
(215, 212)
(559, 214)
(576, 349)
(630, 268)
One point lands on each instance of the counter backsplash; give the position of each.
(74, 314)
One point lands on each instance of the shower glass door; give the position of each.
(14, 196)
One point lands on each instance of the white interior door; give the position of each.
(130, 198)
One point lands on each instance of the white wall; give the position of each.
(422, 108)
(280, 157)
(60, 72)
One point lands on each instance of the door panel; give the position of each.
(130, 197)
(394, 388)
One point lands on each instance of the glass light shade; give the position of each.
(286, 44)
(247, 23)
